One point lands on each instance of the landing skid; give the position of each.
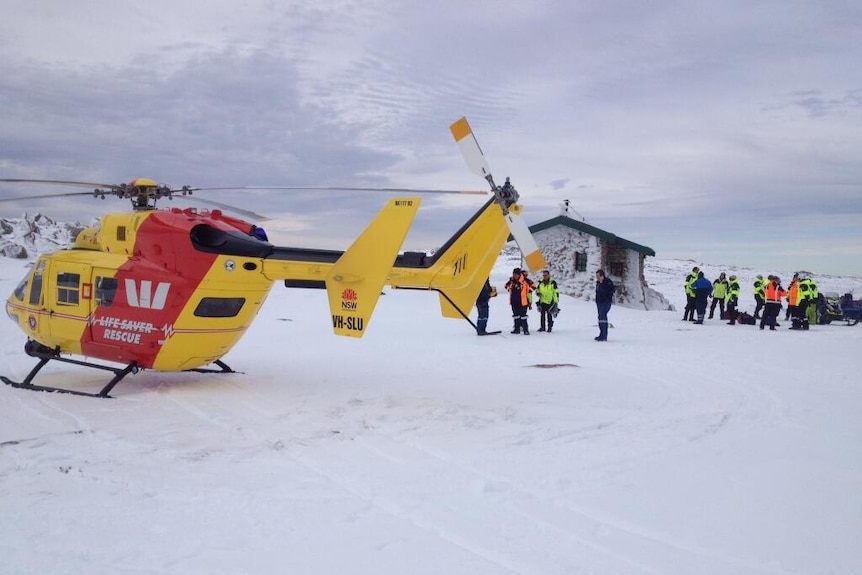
(119, 373)
(46, 354)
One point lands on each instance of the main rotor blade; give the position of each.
(58, 182)
(340, 189)
(164, 191)
(110, 188)
(43, 196)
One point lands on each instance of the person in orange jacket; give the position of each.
(792, 297)
(519, 291)
(773, 295)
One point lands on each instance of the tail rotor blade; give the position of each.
(526, 243)
(470, 149)
(505, 196)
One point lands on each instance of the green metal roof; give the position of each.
(607, 237)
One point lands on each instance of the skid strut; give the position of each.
(46, 354)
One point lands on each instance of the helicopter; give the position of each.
(175, 289)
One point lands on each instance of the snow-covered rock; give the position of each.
(26, 237)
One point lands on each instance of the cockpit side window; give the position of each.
(21, 289)
(36, 289)
(106, 289)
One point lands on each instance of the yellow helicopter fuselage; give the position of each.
(174, 290)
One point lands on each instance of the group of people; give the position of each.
(724, 291)
(521, 291)
(769, 296)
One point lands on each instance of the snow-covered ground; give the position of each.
(670, 449)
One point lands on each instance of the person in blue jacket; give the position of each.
(702, 291)
(604, 301)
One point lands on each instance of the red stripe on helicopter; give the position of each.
(162, 254)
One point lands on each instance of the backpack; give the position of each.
(746, 318)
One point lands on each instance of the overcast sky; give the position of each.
(723, 132)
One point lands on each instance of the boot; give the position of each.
(524, 327)
(481, 326)
(517, 328)
(603, 332)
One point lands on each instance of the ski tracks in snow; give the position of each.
(441, 497)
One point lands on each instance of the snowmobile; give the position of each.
(832, 307)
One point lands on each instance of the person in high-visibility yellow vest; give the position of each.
(759, 295)
(549, 297)
(732, 298)
(688, 315)
(719, 293)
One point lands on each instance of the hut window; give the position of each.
(580, 261)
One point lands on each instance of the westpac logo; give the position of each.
(142, 295)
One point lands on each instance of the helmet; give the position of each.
(760, 277)
(733, 277)
(516, 271)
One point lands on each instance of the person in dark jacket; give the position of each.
(604, 301)
(702, 290)
(482, 308)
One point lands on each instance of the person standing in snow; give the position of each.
(702, 290)
(604, 301)
(774, 294)
(809, 298)
(733, 290)
(519, 289)
(688, 315)
(549, 297)
(482, 308)
(759, 295)
(531, 284)
(792, 297)
(719, 293)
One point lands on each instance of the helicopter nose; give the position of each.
(9, 312)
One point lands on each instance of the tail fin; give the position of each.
(460, 267)
(355, 281)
